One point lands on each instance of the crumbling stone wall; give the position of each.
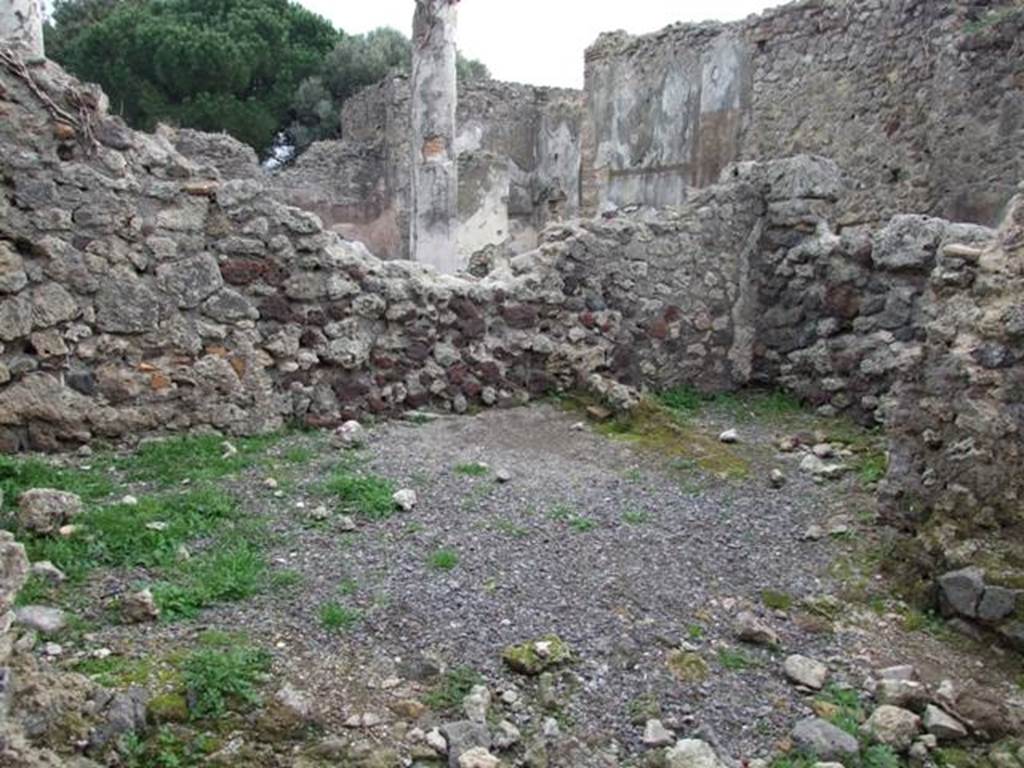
(361, 185)
(921, 103)
(956, 424)
(840, 317)
(143, 293)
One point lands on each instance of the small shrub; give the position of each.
(219, 679)
(335, 617)
(443, 560)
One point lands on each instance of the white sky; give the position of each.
(537, 41)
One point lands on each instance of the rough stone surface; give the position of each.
(807, 672)
(943, 726)
(42, 619)
(893, 726)
(819, 737)
(670, 109)
(692, 753)
(44, 510)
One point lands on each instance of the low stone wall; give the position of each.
(143, 294)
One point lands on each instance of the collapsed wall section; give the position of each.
(922, 104)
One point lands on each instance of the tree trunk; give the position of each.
(21, 26)
(434, 215)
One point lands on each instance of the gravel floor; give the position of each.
(618, 551)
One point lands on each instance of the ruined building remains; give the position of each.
(803, 161)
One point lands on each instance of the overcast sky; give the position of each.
(537, 41)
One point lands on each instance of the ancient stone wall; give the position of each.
(956, 424)
(921, 103)
(143, 293)
(518, 145)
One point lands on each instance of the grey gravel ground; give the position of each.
(666, 550)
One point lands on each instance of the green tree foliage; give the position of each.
(231, 65)
(356, 62)
(248, 67)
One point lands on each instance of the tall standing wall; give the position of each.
(921, 103)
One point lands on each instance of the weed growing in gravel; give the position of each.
(234, 573)
(348, 587)
(367, 495)
(166, 748)
(841, 707)
(335, 617)
(635, 517)
(872, 468)
(452, 688)
(695, 631)
(794, 760)
(776, 601)
(285, 580)
(644, 708)
(582, 524)
(443, 559)
(561, 513)
(734, 659)
(20, 475)
(299, 454)
(510, 528)
(473, 469)
(124, 671)
(880, 756)
(221, 678)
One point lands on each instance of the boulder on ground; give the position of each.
(45, 510)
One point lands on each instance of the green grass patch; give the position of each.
(472, 469)
(367, 495)
(635, 517)
(443, 559)
(221, 679)
(734, 659)
(236, 572)
(147, 534)
(685, 402)
(582, 524)
(196, 458)
(654, 427)
(20, 475)
(299, 454)
(561, 513)
(335, 617)
(872, 467)
(880, 756)
(777, 601)
(452, 688)
(848, 713)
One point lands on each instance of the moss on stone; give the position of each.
(534, 657)
(687, 666)
(169, 707)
